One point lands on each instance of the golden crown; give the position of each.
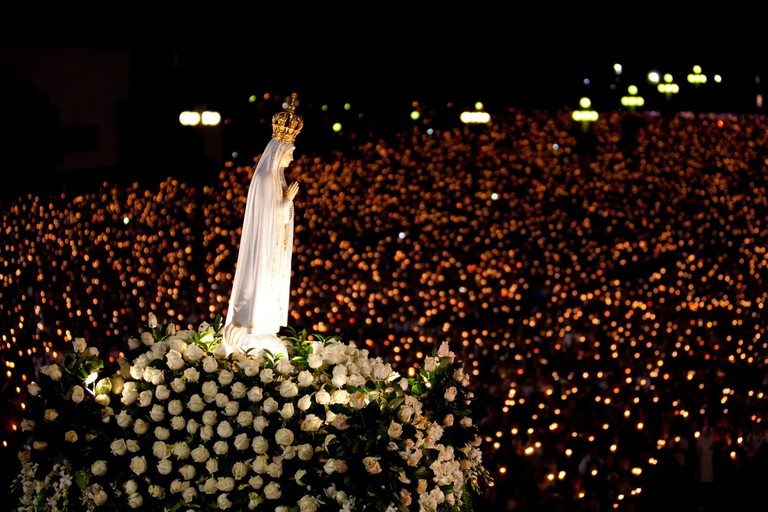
(286, 125)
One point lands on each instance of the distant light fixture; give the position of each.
(617, 69)
(188, 118)
(415, 115)
(337, 127)
(479, 105)
(475, 117)
(252, 98)
(653, 77)
(211, 118)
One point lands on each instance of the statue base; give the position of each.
(237, 338)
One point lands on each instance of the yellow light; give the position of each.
(187, 118)
(653, 77)
(585, 103)
(91, 378)
(475, 117)
(584, 115)
(337, 127)
(211, 118)
(632, 89)
(561, 475)
(415, 115)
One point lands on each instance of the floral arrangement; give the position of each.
(182, 423)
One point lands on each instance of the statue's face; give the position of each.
(287, 158)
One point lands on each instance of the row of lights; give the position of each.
(207, 118)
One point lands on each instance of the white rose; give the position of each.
(210, 364)
(102, 400)
(195, 403)
(34, 388)
(175, 407)
(138, 465)
(270, 405)
(275, 469)
(99, 468)
(145, 398)
(178, 423)
(250, 368)
(288, 389)
(223, 502)
(231, 408)
(244, 418)
(220, 447)
(130, 487)
(260, 445)
(79, 345)
(176, 486)
(209, 487)
(192, 375)
(322, 397)
(187, 471)
(193, 353)
(132, 445)
(256, 482)
(174, 360)
(52, 370)
(189, 493)
(311, 423)
(429, 364)
(212, 465)
(241, 441)
(315, 360)
(164, 467)
(162, 433)
(181, 450)
(448, 420)
(200, 454)
(203, 328)
(224, 429)
(118, 447)
(239, 470)
(284, 437)
(50, 415)
(152, 321)
(465, 422)
(160, 450)
(306, 451)
(255, 394)
(395, 430)
(210, 389)
(372, 465)
(178, 385)
(156, 492)
(147, 338)
(140, 426)
(238, 390)
(305, 378)
(382, 371)
(78, 393)
(304, 402)
(283, 366)
(206, 433)
(267, 375)
(287, 411)
(157, 413)
(210, 417)
(330, 466)
(308, 504)
(135, 500)
(289, 452)
(129, 394)
(272, 491)
(225, 377)
(450, 394)
(340, 396)
(260, 464)
(70, 436)
(405, 413)
(99, 497)
(260, 423)
(225, 483)
(192, 426)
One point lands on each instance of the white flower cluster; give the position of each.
(192, 425)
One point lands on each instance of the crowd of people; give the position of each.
(603, 284)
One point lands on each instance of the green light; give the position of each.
(585, 102)
(632, 89)
(347, 106)
(479, 105)
(252, 98)
(415, 115)
(324, 108)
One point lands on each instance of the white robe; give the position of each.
(258, 305)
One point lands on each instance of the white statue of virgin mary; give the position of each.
(258, 305)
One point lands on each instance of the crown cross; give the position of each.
(286, 125)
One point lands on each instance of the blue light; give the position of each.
(401, 235)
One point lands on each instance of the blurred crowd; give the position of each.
(602, 282)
